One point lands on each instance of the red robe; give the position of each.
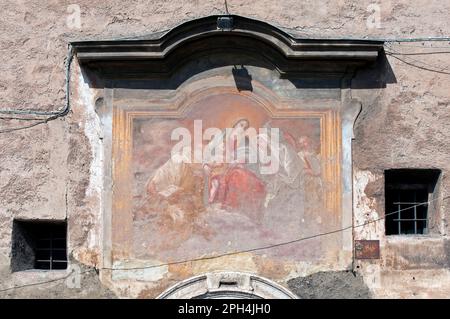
(240, 190)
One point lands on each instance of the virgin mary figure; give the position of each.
(231, 184)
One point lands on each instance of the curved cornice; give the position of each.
(162, 53)
(163, 45)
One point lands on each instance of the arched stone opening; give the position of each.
(224, 285)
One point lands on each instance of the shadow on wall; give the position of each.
(376, 75)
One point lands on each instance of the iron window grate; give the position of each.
(38, 244)
(410, 216)
(407, 196)
(50, 251)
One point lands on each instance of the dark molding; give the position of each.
(162, 53)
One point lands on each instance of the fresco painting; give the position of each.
(186, 209)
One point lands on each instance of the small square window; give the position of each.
(408, 194)
(39, 245)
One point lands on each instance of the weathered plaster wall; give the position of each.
(405, 125)
(51, 171)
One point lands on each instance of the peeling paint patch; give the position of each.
(93, 131)
(364, 207)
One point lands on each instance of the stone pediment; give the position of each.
(162, 54)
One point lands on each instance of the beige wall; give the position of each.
(51, 170)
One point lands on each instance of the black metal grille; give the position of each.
(50, 252)
(39, 245)
(407, 212)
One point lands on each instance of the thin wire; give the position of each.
(19, 118)
(426, 39)
(231, 253)
(65, 108)
(418, 66)
(278, 244)
(412, 59)
(421, 53)
(403, 44)
(399, 40)
(44, 282)
(226, 8)
(52, 115)
(8, 130)
(439, 70)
